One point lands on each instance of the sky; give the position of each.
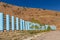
(44, 4)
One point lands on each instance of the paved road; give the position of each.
(53, 35)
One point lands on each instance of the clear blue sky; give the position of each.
(46, 4)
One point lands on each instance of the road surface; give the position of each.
(53, 35)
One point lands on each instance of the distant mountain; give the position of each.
(41, 16)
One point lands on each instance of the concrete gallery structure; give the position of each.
(19, 24)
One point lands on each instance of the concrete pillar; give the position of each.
(21, 25)
(17, 24)
(25, 25)
(12, 19)
(1, 22)
(28, 25)
(7, 23)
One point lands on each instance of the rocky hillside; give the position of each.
(42, 16)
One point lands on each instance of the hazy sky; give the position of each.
(46, 4)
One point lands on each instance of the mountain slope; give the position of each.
(42, 16)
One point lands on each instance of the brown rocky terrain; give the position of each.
(14, 35)
(43, 16)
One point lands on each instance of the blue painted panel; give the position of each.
(7, 23)
(38, 25)
(17, 25)
(12, 22)
(1, 22)
(21, 25)
(43, 28)
(53, 27)
(32, 25)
